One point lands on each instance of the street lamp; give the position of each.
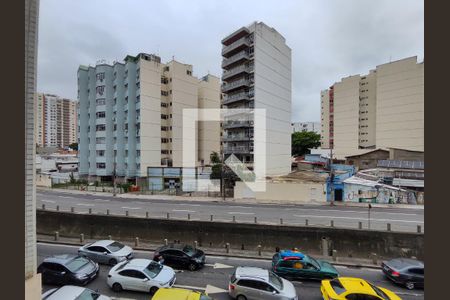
(369, 208)
(114, 176)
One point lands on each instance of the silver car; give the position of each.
(106, 252)
(250, 283)
(71, 292)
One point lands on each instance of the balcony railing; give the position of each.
(235, 58)
(237, 97)
(237, 137)
(238, 149)
(232, 72)
(236, 124)
(244, 41)
(236, 84)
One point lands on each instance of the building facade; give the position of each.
(32, 279)
(131, 115)
(257, 74)
(306, 126)
(55, 121)
(382, 109)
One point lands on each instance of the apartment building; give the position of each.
(257, 74)
(131, 115)
(382, 109)
(306, 126)
(55, 121)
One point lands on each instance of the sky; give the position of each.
(330, 39)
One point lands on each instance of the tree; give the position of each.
(74, 146)
(216, 166)
(303, 141)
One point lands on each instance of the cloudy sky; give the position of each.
(330, 39)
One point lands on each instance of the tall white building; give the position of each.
(382, 109)
(257, 74)
(131, 116)
(306, 126)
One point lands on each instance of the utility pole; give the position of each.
(331, 178)
(370, 206)
(114, 176)
(222, 175)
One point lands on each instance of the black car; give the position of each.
(405, 271)
(179, 255)
(68, 269)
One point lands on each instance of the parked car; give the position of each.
(251, 283)
(179, 255)
(179, 294)
(71, 292)
(405, 271)
(294, 265)
(138, 274)
(347, 288)
(106, 252)
(68, 269)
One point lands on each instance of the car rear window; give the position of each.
(379, 292)
(153, 269)
(337, 286)
(76, 264)
(189, 250)
(114, 247)
(233, 278)
(275, 280)
(88, 295)
(204, 297)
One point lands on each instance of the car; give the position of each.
(180, 255)
(71, 292)
(179, 294)
(348, 288)
(405, 271)
(252, 283)
(140, 274)
(293, 265)
(106, 252)
(68, 269)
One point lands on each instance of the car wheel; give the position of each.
(409, 285)
(192, 267)
(241, 297)
(112, 262)
(117, 287)
(153, 290)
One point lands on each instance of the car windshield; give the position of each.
(314, 262)
(275, 280)
(114, 247)
(379, 292)
(76, 264)
(88, 295)
(204, 297)
(153, 269)
(189, 250)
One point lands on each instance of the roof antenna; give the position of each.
(173, 57)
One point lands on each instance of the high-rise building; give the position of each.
(306, 126)
(32, 279)
(131, 115)
(257, 74)
(55, 121)
(383, 109)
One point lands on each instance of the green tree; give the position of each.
(74, 146)
(303, 141)
(216, 166)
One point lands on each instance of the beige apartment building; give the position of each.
(382, 109)
(131, 117)
(55, 121)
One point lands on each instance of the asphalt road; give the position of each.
(214, 276)
(401, 219)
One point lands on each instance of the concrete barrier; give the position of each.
(358, 243)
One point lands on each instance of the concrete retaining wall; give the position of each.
(357, 243)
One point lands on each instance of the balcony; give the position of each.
(237, 137)
(237, 124)
(228, 87)
(228, 74)
(243, 55)
(236, 97)
(237, 149)
(240, 44)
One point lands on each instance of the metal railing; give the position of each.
(235, 58)
(242, 41)
(238, 149)
(234, 71)
(233, 124)
(235, 84)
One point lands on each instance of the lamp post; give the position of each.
(114, 176)
(331, 178)
(369, 208)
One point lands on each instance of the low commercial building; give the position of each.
(370, 159)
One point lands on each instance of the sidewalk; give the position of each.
(232, 200)
(150, 246)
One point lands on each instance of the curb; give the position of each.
(351, 265)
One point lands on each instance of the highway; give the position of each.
(401, 219)
(214, 276)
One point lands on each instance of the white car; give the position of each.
(71, 292)
(142, 275)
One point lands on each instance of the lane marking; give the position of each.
(85, 204)
(102, 200)
(49, 201)
(361, 219)
(188, 204)
(183, 210)
(64, 197)
(126, 207)
(231, 206)
(241, 213)
(189, 287)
